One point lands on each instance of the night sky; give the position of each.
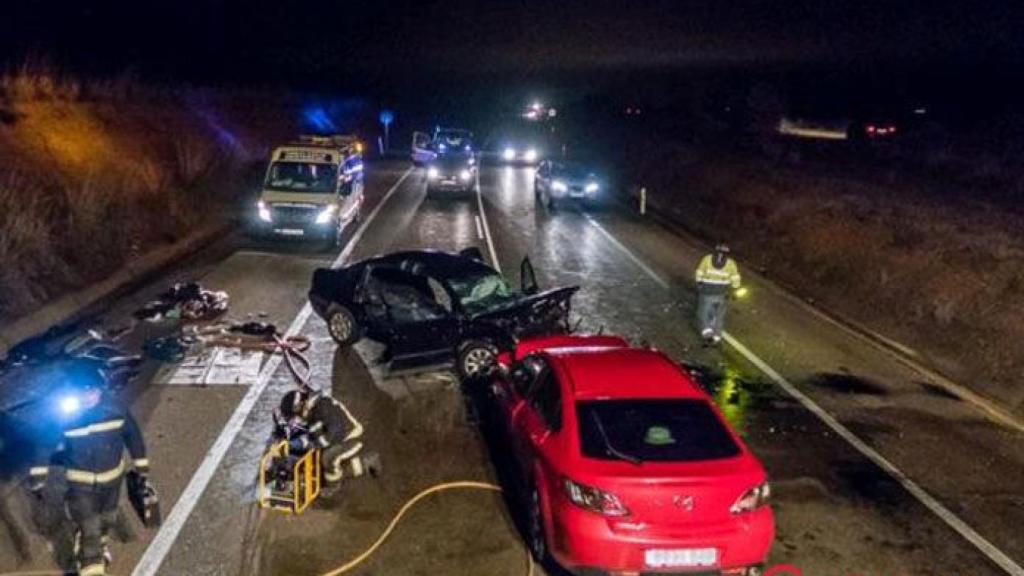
(324, 41)
(450, 53)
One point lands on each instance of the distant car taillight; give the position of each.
(594, 500)
(752, 499)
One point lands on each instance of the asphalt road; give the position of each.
(875, 469)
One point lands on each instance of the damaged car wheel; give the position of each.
(475, 359)
(342, 326)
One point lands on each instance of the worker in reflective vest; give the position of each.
(311, 419)
(93, 441)
(717, 275)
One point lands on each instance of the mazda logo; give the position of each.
(684, 502)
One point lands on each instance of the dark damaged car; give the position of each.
(425, 304)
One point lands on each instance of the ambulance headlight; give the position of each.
(591, 187)
(325, 215)
(264, 211)
(509, 154)
(530, 155)
(465, 175)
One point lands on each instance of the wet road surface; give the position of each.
(837, 511)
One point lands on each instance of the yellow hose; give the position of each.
(465, 485)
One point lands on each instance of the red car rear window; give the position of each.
(671, 430)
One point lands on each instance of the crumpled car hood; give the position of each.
(531, 311)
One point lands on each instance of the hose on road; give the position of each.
(362, 557)
(464, 485)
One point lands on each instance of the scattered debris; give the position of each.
(167, 349)
(185, 301)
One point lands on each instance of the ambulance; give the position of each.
(313, 189)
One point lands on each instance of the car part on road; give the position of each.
(462, 485)
(167, 349)
(186, 301)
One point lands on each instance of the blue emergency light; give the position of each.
(70, 405)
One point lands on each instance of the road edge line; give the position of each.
(945, 514)
(636, 260)
(158, 549)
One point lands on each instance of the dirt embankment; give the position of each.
(94, 175)
(918, 260)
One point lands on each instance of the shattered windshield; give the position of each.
(302, 177)
(483, 292)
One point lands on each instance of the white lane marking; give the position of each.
(487, 229)
(479, 229)
(654, 275)
(930, 502)
(161, 545)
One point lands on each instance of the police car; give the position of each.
(312, 190)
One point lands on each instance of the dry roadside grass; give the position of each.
(920, 261)
(94, 174)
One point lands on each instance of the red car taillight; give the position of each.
(593, 499)
(752, 499)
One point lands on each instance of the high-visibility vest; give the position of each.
(727, 275)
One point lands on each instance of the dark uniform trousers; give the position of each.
(94, 512)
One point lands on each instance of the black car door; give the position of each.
(405, 313)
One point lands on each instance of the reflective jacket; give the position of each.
(727, 275)
(327, 423)
(92, 448)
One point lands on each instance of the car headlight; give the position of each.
(432, 173)
(530, 155)
(559, 186)
(591, 187)
(264, 211)
(325, 215)
(465, 175)
(509, 154)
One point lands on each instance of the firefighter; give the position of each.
(93, 441)
(717, 275)
(311, 419)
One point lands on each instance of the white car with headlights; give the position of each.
(519, 154)
(313, 189)
(452, 172)
(556, 182)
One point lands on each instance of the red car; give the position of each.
(627, 466)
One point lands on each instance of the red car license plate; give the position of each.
(681, 557)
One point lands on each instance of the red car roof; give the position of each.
(624, 373)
